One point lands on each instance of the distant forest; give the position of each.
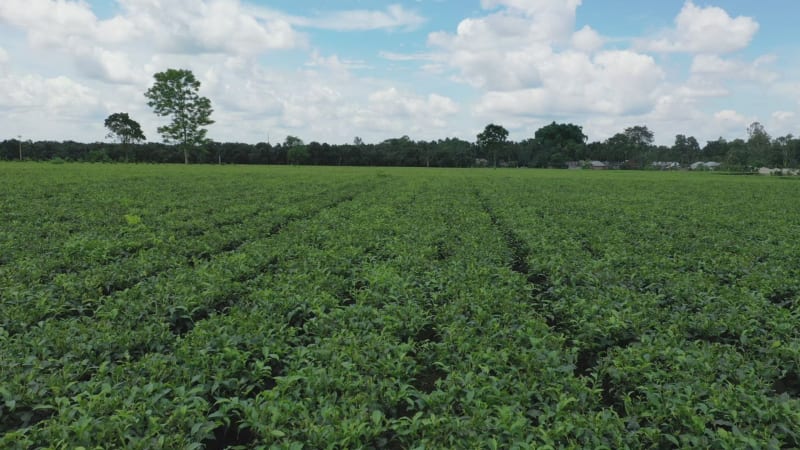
(554, 146)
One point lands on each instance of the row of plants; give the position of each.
(53, 350)
(677, 297)
(364, 308)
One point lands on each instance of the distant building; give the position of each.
(769, 171)
(766, 171)
(707, 165)
(598, 165)
(666, 165)
(574, 165)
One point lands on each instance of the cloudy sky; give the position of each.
(329, 71)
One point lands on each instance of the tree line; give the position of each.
(174, 94)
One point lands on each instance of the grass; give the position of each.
(148, 306)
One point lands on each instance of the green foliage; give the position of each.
(564, 142)
(396, 308)
(493, 138)
(175, 94)
(123, 128)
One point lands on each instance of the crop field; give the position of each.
(167, 307)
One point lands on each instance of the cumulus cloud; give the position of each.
(704, 30)
(393, 103)
(56, 96)
(716, 66)
(613, 82)
(51, 22)
(101, 48)
(505, 50)
(550, 20)
(402, 112)
(783, 116)
(56, 108)
(517, 56)
(732, 120)
(394, 17)
(587, 40)
(209, 26)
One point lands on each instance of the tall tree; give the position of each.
(124, 129)
(640, 137)
(296, 150)
(564, 139)
(493, 138)
(686, 149)
(758, 143)
(783, 150)
(175, 94)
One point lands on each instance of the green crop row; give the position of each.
(364, 308)
(677, 298)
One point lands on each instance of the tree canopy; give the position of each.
(492, 138)
(124, 129)
(175, 94)
(553, 145)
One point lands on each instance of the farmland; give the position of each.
(152, 307)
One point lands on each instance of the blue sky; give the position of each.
(429, 69)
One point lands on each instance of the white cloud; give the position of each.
(732, 121)
(587, 40)
(613, 82)
(394, 112)
(334, 63)
(59, 95)
(394, 17)
(717, 67)
(3, 56)
(506, 49)
(783, 123)
(393, 56)
(784, 116)
(57, 108)
(177, 26)
(209, 26)
(512, 55)
(393, 103)
(550, 20)
(704, 30)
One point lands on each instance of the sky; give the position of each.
(430, 69)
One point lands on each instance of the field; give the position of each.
(167, 307)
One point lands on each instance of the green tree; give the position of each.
(686, 149)
(631, 146)
(493, 138)
(640, 139)
(758, 143)
(783, 150)
(738, 157)
(297, 152)
(562, 142)
(124, 129)
(292, 141)
(175, 94)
